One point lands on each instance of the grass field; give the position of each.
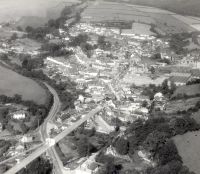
(189, 90)
(12, 83)
(111, 11)
(188, 148)
(180, 105)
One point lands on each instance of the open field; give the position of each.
(12, 83)
(14, 10)
(111, 11)
(141, 80)
(181, 105)
(188, 148)
(189, 90)
(26, 44)
(139, 28)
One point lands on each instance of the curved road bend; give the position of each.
(44, 131)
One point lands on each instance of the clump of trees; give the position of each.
(164, 88)
(81, 41)
(110, 166)
(56, 49)
(154, 135)
(103, 44)
(38, 166)
(179, 41)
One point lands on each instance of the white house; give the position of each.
(26, 139)
(19, 115)
(158, 96)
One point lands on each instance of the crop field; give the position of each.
(165, 21)
(12, 83)
(188, 148)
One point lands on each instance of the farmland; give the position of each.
(165, 21)
(188, 148)
(12, 83)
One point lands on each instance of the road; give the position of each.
(45, 134)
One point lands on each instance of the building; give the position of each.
(158, 96)
(1, 127)
(195, 74)
(179, 80)
(18, 115)
(26, 139)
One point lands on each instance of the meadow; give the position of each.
(12, 83)
(188, 149)
(190, 90)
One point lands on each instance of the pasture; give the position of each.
(165, 21)
(12, 83)
(188, 148)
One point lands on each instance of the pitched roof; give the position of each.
(179, 79)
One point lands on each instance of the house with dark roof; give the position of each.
(195, 74)
(180, 80)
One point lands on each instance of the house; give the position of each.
(158, 96)
(18, 115)
(195, 74)
(26, 139)
(179, 80)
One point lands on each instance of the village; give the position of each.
(113, 74)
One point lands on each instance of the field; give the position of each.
(141, 80)
(165, 21)
(181, 105)
(189, 90)
(12, 83)
(188, 148)
(139, 28)
(14, 10)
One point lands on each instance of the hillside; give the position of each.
(178, 6)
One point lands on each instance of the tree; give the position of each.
(155, 141)
(144, 104)
(38, 166)
(152, 70)
(165, 87)
(167, 153)
(84, 147)
(14, 36)
(19, 28)
(122, 146)
(29, 29)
